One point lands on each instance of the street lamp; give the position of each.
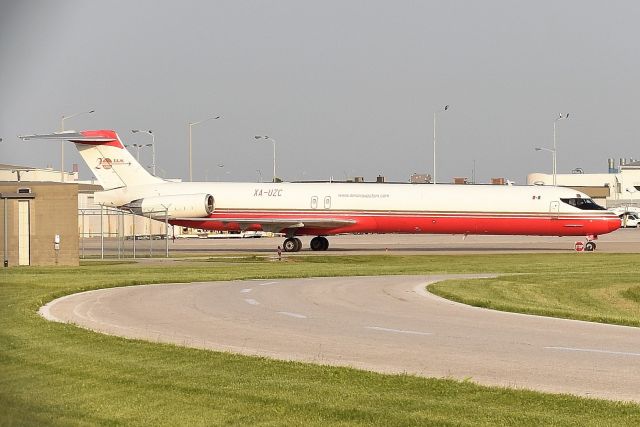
(560, 117)
(268, 138)
(152, 145)
(224, 173)
(553, 157)
(138, 147)
(62, 142)
(446, 107)
(191, 124)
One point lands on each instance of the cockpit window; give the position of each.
(584, 204)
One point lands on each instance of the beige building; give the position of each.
(25, 173)
(40, 223)
(619, 188)
(91, 223)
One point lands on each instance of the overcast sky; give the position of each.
(344, 87)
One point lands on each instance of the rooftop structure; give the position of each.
(619, 187)
(12, 173)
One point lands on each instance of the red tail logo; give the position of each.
(104, 163)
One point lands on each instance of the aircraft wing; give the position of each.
(276, 225)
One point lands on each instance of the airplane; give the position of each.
(326, 209)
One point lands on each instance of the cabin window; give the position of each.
(584, 204)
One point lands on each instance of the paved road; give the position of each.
(386, 324)
(620, 241)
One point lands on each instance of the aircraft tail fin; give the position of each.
(106, 156)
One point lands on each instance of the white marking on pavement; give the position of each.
(268, 283)
(299, 316)
(77, 313)
(591, 350)
(397, 331)
(252, 301)
(246, 290)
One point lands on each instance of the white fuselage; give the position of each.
(419, 208)
(332, 208)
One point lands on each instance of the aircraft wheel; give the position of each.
(291, 245)
(298, 244)
(590, 247)
(316, 244)
(325, 243)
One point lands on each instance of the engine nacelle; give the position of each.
(175, 206)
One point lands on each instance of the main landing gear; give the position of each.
(293, 244)
(319, 243)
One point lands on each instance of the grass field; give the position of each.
(55, 374)
(608, 292)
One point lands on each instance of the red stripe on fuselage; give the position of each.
(430, 223)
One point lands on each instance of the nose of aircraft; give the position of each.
(614, 223)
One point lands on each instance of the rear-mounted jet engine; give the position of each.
(183, 206)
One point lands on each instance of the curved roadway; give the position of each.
(385, 324)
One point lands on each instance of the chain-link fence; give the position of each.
(113, 233)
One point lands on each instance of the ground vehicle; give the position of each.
(629, 220)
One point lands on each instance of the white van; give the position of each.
(629, 220)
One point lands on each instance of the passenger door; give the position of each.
(554, 209)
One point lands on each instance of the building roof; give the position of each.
(89, 188)
(24, 183)
(4, 166)
(631, 165)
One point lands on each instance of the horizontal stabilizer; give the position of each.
(66, 136)
(91, 137)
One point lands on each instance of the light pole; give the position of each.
(268, 138)
(191, 124)
(152, 145)
(137, 146)
(553, 157)
(555, 164)
(626, 211)
(62, 142)
(446, 107)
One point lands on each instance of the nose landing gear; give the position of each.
(590, 246)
